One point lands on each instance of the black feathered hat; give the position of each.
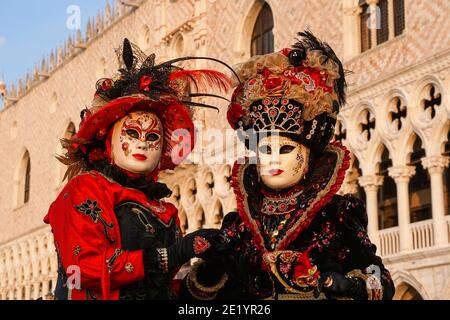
(295, 92)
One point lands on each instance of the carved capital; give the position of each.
(371, 183)
(435, 164)
(402, 174)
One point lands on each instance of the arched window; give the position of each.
(178, 45)
(365, 38)
(399, 17)
(262, 37)
(407, 292)
(26, 192)
(23, 181)
(383, 28)
(387, 195)
(419, 186)
(387, 12)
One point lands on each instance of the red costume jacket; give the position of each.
(87, 234)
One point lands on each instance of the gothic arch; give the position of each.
(394, 125)
(178, 45)
(244, 28)
(432, 131)
(145, 38)
(404, 277)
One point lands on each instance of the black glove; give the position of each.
(335, 284)
(201, 244)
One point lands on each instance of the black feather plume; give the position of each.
(308, 41)
(127, 54)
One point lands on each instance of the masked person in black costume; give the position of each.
(293, 237)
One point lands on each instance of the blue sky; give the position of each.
(30, 29)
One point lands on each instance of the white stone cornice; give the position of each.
(435, 164)
(402, 173)
(371, 183)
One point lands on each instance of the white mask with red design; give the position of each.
(137, 141)
(282, 162)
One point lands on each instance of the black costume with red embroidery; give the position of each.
(302, 240)
(320, 232)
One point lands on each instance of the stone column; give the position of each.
(391, 19)
(402, 175)
(371, 185)
(435, 166)
(351, 32)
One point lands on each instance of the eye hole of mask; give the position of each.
(265, 149)
(286, 149)
(133, 133)
(152, 137)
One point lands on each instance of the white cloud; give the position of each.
(2, 40)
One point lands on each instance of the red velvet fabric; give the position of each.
(82, 241)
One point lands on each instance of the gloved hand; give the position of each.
(335, 284)
(205, 243)
(200, 244)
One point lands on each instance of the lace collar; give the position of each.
(276, 219)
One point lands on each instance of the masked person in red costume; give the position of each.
(111, 230)
(293, 237)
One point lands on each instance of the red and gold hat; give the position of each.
(297, 91)
(164, 89)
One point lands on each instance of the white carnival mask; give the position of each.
(282, 162)
(137, 142)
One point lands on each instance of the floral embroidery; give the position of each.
(77, 250)
(91, 209)
(113, 259)
(293, 269)
(200, 245)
